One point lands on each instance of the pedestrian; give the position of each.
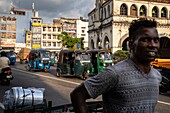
(131, 85)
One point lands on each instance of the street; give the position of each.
(58, 90)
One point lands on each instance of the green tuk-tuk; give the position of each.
(73, 63)
(100, 59)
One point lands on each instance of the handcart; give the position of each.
(30, 100)
(94, 107)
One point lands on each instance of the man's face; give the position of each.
(146, 44)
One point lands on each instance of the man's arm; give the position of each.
(78, 98)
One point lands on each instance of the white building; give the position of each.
(109, 21)
(82, 31)
(75, 27)
(49, 38)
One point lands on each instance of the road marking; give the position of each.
(161, 102)
(47, 76)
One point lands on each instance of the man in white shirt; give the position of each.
(4, 61)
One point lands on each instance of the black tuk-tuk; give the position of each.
(74, 63)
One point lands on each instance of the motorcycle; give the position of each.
(6, 76)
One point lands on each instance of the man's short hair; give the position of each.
(138, 24)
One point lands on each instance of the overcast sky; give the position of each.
(49, 9)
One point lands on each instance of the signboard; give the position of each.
(8, 42)
(36, 46)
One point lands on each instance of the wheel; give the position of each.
(28, 68)
(84, 76)
(58, 73)
(20, 61)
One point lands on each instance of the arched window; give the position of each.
(142, 10)
(155, 12)
(108, 9)
(164, 12)
(104, 12)
(133, 10)
(123, 9)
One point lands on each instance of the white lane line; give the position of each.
(47, 76)
(161, 102)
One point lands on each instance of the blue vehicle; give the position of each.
(12, 57)
(39, 59)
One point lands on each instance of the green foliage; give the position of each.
(120, 55)
(68, 41)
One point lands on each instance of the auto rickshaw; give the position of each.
(73, 63)
(12, 57)
(100, 59)
(39, 59)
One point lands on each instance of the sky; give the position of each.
(50, 9)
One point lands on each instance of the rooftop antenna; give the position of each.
(33, 7)
(11, 7)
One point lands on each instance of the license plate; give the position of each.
(9, 76)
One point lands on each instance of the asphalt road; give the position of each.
(57, 90)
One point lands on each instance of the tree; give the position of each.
(68, 40)
(120, 55)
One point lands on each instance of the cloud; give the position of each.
(49, 9)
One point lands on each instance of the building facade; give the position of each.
(49, 36)
(109, 21)
(36, 23)
(75, 27)
(13, 25)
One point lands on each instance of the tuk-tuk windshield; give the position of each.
(105, 56)
(45, 54)
(11, 54)
(84, 57)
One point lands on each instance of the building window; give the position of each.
(133, 10)
(54, 29)
(155, 12)
(105, 14)
(123, 9)
(49, 43)
(59, 29)
(43, 28)
(44, 43)
(54, 44)
(164, 12)
(44, 36)
(3, 27)
(54, 37)
(142, 10)
(49, 29)
(49, 36)
(83, 31)
(108, 9)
